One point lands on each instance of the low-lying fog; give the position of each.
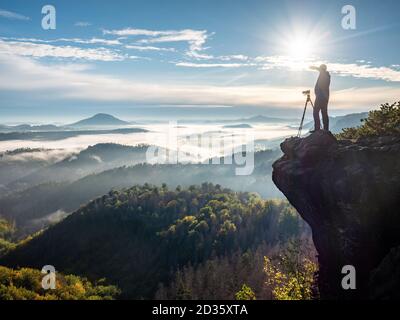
(158, 135)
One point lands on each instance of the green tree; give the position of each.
(383, 122)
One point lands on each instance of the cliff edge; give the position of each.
(349, 193)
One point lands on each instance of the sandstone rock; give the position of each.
(349, 193)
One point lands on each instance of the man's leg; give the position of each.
(325, 117)
(317, 121)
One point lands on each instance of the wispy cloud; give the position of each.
(365, 71)
(13, 15)
(110, 42)
(212, 65)
(240, 57)
(362, 69)
(46, 50)
(195, 38)
(135, 32)
(28, 75)
(82, 24)
(149, 48)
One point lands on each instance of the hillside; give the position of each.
(94, 159)
(33, 208)
(21, 162)
(337, 124)
(136, 237)
(347, 121)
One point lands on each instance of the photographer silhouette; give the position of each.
(321, 98)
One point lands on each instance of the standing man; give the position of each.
(321, 98)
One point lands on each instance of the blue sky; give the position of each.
(144, 57)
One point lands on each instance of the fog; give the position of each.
(157, 135)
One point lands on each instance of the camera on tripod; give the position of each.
(308, 100)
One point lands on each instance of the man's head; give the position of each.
(323, 67)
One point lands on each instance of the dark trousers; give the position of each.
(321, 104)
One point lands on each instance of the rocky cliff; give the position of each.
(349, 193)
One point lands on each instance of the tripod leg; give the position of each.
(302, 119)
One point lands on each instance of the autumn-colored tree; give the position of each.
(25, 284)
(291, 274)
(245, 293)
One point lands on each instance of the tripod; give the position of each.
(304, 112)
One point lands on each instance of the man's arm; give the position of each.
(314, 68)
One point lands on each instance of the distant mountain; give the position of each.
(264, 119)
(100, 119)
(337, 124)
(253, 119)
(60, 135)
(28, 128)
(238, 126)
(348, 121)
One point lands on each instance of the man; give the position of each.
(321, 98)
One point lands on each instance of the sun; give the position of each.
(300, 48)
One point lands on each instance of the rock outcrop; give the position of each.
(349, 193)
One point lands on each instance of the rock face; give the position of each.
(349, 193)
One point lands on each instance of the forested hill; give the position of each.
(139, 237)
(32, 208)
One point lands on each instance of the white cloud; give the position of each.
(212, 65)
(355, 70)
(12, 15)
(82, 24)
(29, 76)
(134, 32)
(364, 98)
(149, 48)
(46, 50)
(110, 42)
(240, 57)
(195, 38)
(199, 56)
(91, 41)
(365, 71)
